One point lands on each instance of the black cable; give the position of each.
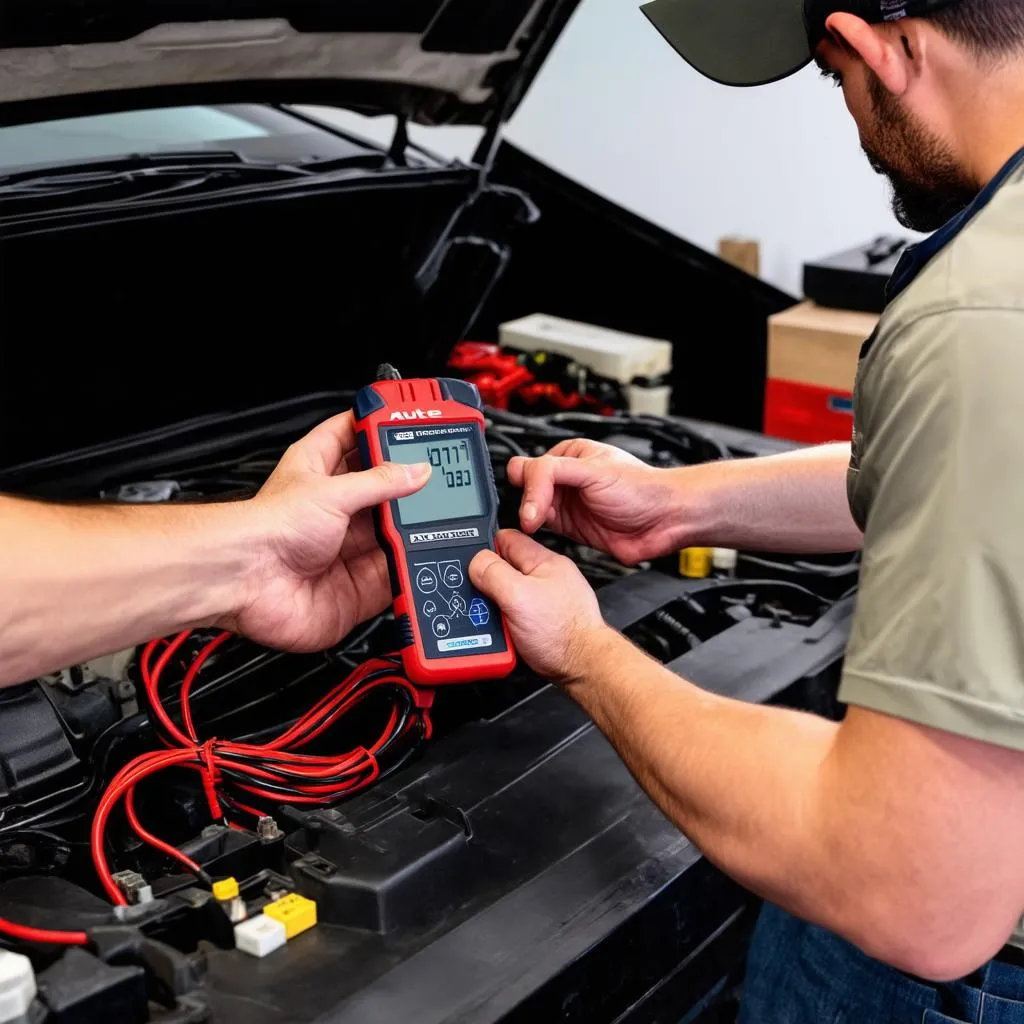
(716, 586)
(810, 568)
(503, 439)
(535, 424)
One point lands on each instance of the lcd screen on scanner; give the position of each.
(454, 489)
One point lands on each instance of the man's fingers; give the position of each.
(382, 483)
(495, 578)
(325, 446)
(575, 447)
(523, 552)
(541, 477)
(514, 470)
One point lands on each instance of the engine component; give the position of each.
(17, 985)
(260, 936)
(401, 865)
(640, 366)
(295, 912)
(135, 888)
(534, 382)
(79, 987)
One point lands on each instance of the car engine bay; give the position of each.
(330, 776)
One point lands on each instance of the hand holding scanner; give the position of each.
(450, 632)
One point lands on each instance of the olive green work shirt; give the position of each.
(937, 485)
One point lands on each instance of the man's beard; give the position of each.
(928, 186)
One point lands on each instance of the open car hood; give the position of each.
(434, 61)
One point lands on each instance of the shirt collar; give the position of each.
(915, 257)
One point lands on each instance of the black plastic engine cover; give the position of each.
(36, 754)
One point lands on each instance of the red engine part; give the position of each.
(496, 374)
(502, 376)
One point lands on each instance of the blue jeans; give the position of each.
(801, 974)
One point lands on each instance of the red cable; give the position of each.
(27, 934)
(148, 837)
(325, 778)
(190, 678)
(131, 774)
(152, 683)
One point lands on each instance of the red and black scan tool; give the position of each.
(450, 632)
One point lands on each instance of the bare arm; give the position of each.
(296, 567)
(901, 838)
(81, 581)
(846, 826)
(795, 502)
(598, 495)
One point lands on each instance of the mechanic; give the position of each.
(295, 568)
(896, 839)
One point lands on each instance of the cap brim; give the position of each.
(735, 42)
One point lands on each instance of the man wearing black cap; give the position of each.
(894, 842)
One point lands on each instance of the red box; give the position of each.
(806, 412)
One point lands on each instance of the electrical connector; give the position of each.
(295, 912)
(225, 889)
(17, 985)
(260, 936)
(135, 888)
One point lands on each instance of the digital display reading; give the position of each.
(453, 490)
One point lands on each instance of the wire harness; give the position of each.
(236, 775)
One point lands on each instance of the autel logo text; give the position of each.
(417, 414)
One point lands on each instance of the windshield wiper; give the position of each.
(161, 170)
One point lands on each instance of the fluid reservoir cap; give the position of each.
(695, 563)
(724, 559)
(17, 985)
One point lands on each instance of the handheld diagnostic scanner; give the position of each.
(450, 632)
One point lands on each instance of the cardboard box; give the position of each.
(811, 345)
(812, 366)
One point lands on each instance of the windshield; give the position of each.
(256, 132)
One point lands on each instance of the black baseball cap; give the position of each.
(754, 42)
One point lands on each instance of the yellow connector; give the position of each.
(225, 889)
(695, 563)
(295, 912)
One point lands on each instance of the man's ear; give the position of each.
(881, 50)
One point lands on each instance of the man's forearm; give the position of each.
(81, 581)
(828, 821)
(738, 779)
(795, 502)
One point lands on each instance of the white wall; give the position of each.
(617, 110)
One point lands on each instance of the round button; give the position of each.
(442, 627)
(426, 580)
(457, 604)
(429, 609)
(452, 576)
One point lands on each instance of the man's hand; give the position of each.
(319, 571)
(552, 612)
(600, 496)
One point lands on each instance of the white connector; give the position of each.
(17, 986)
(260, 936)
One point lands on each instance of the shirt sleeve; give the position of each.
(938, 635)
